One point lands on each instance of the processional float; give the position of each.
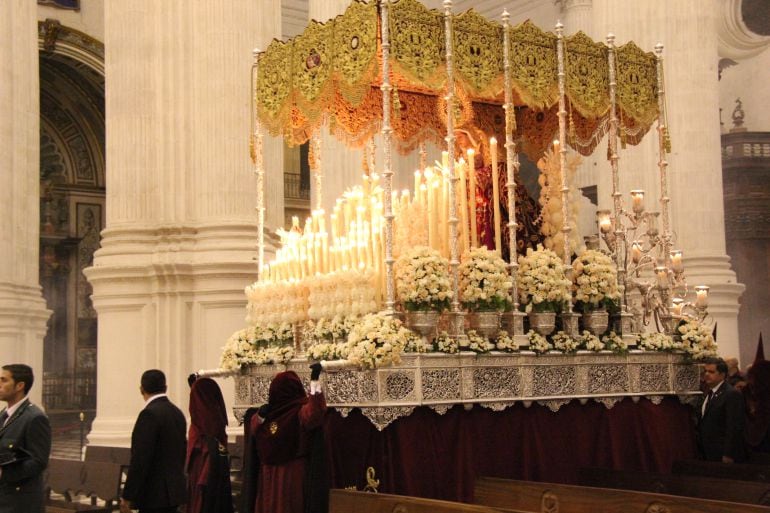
(415, 75)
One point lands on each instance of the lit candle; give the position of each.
(605, 223)
(496, 195)
(676, 261)
(443, 220)
(431, 208)
(445, 159)
(676, 309)
(472, 195)
(321, 221)
(701, 296)
(662, 274)
(463, 207)
(636, 251)
(417, 182)
(637, 201)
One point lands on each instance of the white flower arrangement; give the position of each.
(416, 344)
(477, 343)
(595, 281)
(615, 342)
(657, 342)
(422, 280)
(696, 339)
(563, 342)
(590, 341)
(443, 343)
(504, 342)
(258, 346)
(538, 343)
(376, 341)
(484, 281)
(334, 329)
(542, 285)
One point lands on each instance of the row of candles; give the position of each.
(356, 240)
(662, 273)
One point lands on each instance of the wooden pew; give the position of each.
(746, 492)
(120, 455)
(557, 498)
(348, 501)
(95, 481)
(735, 471)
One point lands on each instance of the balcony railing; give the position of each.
(293, 187)
(67, 391)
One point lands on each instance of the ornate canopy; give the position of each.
(331, 73)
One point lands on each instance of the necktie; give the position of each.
(708, 400)
(3, 418)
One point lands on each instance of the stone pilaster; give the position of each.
(180, 241)
(23, 312)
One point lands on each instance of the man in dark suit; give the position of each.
(156, 482)
(721, 416)
(25, 443)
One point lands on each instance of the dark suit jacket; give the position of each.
(28, 434)
(720, 428)
(158, 449)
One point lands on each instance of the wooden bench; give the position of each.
(735, 471)
(348, 501)
(94, 481)
(557, 498)
(747, 492)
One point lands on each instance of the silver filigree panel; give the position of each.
(496, 382)
(440, 384)
(686, 377)
(653, 378)
(607, 379)
(399, 386)
(549, 380)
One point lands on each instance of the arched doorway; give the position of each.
(72, 192)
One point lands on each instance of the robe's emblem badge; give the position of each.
(273, 428)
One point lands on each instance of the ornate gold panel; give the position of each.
(533, 65)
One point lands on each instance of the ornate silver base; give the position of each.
(423, 323)
(542, 322)
(486, 324)
(569, 323)
(596, 322)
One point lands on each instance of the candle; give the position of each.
(701, 296)
(472, 195)
(605, 223)
(432, 234)
(676, 309)
(676, 261)
(333, 219)
(637, 201)
(417, 182)
(496, 195)
(463, 208)
(636, 251)
(445, 159)
(443, 202)
(662, 274)
(321, 221)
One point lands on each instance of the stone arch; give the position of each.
(72, 196)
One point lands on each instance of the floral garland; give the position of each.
(258, 346)
(565, 343)
(326, 330)
(505, 343)
(542, 284)
(657, 342)
(595, 281)
(443, 343)
(696, 339)
(376, 341)
(591, 342)
(422, 280)
(484, 281)
(477, 343)
(615, 343)
(538, 343)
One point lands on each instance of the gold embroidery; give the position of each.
(355, 46)
(637, 83)
(533, 65)
(586, 77)
(417, 44)
(478, 54)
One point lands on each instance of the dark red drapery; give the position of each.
(439, 456)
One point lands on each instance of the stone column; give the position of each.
(180, 240)
(23, 312)
(688, 29)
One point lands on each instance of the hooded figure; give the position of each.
(284, 463)
(208, 466)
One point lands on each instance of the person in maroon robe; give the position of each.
(208, 466)
(285, 468)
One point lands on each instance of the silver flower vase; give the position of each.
(423, 322)
(542, 322)
(596, 321)
(486, 324)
